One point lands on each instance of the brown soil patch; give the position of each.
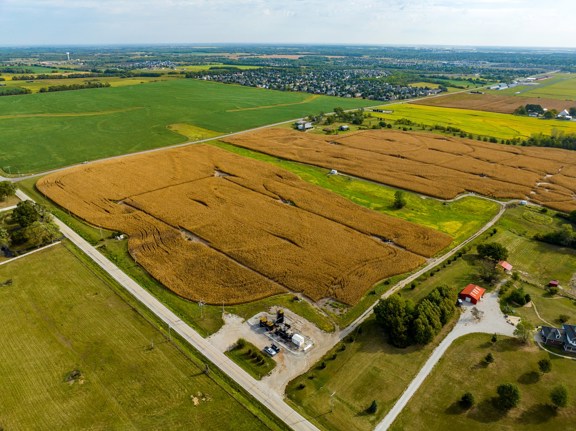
(493, 102)
(431, 164)
(252, 232)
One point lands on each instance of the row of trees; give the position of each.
(13, 91)
(563, 237)
(556, 140)
(86, 84)
(406, 324)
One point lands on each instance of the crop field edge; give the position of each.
(193, 355)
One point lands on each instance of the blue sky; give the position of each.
(391, 22)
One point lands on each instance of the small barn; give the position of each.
(553, 283)
(472, 293)
(505, 265)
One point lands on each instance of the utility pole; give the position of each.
(332, 401)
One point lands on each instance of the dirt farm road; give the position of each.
(270, 399)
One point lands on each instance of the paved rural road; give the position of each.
(493, 322)
(261, 393)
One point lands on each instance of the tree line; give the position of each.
(87, 84)
(407, 324)
(13, 91)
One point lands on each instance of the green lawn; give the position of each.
(76, 356)
(252, 360)
(50, 130)
(537, 261)
(501, 126)
(434, 406)
(336, 397)
(549, 307)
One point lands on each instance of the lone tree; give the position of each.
(466, 401)
(523, 332)
(545, 365)
(559, 396)
(6, 189)
(489, 358)
(372, 408)
(508, 396)
(399, 200)
(492, 251)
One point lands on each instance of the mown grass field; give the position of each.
(537, 261)
(549, 308)
(434, 406)
(45, 131)
(501, 126)
(368, 369)
(560, 86)
(59, 317)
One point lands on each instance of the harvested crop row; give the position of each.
(217, 227)
(434, 165)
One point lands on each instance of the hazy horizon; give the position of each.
(437, 23)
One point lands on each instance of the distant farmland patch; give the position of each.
(35, 138)
(492, 102)
(434, 165)
(501, 126)
(217, 227)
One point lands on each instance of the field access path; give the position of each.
(270, 399)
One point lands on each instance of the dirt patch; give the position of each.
(493, 102)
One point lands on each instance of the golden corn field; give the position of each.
(431, 164)
(216, 227)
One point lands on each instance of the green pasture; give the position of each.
(115, 81)
(357, 371)
(45, 131)
(461, 369)
(560, 86)
(537, 261)
(501, 126)
(75, 355)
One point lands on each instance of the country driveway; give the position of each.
(491, 322)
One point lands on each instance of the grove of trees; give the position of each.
(406, 324)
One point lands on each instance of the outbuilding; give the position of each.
(505, 265)
(553, 283)
(472, 293)
(298, 340)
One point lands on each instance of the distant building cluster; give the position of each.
(357, 83)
